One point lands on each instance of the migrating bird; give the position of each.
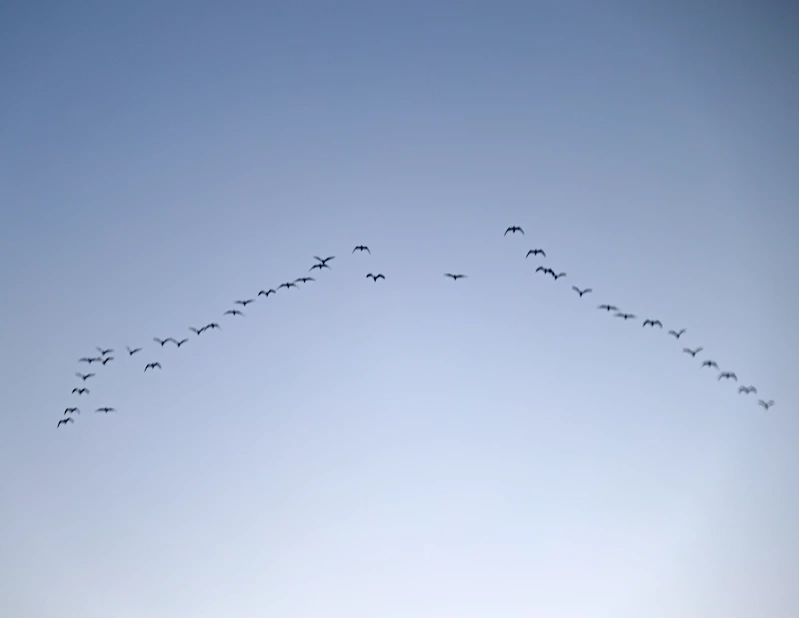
(212, 326)
(287, 285)
(677, 333)
(108, 358)
(324, 262)
(90, 360)
(554, 276)
(104, 352)
(162, 341)
(626, 316)
(80, 391)
(652, 323)
(71, 410)
(304, 279)
(84, 376)
(132, 352)
(375, 277)
(233, 312)
(454, 277)
(710, 363)
(581, 292)
(608, 308)
(765, 404)
(320, 266)
(692, 352)
(535, 252)
(64, 421)
(106, 410)
(728, 375)
(244, 303)
(267, 292)
(747, 389)
(545, 270)
(197, 331)
(513, 229)
(152, 366)
(181, 342)
(362, 248)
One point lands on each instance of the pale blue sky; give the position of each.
(415, 447)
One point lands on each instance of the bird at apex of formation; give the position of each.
(152, 366)
(692, 352)
(535, 252)
(747, 389)
(677, 333)
(513, 229)
(375, 277)
(652, 323)
(267, 292)
(64, 421)
(765, 404)
(454, 277)
(581, 292)
(362, 248)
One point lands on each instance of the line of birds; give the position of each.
(321, 264)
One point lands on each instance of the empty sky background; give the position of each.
(417, 447)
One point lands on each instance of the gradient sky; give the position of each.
(417, 447)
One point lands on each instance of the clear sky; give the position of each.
(494, 446)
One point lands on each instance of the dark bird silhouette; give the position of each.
(692, 352)
(581, 292)
(212, 326)
(608, 308)
(626, 316)
(64, 421)
(454, 277)
(106, 410)
(132, 352)
(197, 331)
(244, 303)
(152, 366)
(652, 323)
(233, 312)
(181, 342)
(107, 359)
(90, 360)
(71, 410)
(287, 285)
(728, 375)
(320, 266)
(747, 389)
(375, 277)
(362, 248)
(84, 376)
(104, 352)
(765, 404)
(710, 363)
(545, 270)
(162, 341)
(267, 292)
(80, 391)
(535, 252)
(677, 333)
(513, 229)
(558, 276)
(304, 280)
(324, 262)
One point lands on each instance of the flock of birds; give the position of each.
(105, 354)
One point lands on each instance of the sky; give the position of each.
(414, 446)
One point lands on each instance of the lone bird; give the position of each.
(64, 421)
(152, 366)
(728, 375)
(233, 312)
(181, 342)
(608, 308)
(626, 316)
(652, 323)
(132, 352)
(362, 248)
(710, 363)
(71, 411)
(581, 292)
(692, 352)
(107, 359)
(162, 341)
(267, 292)
(324, 261)
(106, 410)
(244, 303)
(677, 333)
(535, 252)
(304, 280)
(84, 376)
(513, 229)
(80, 391)
(765, 404)
(454, 277)
(375, 277)
(747, 389)
(287, 285)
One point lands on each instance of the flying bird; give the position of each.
(677, 333)
(106, 410)
(80, 391)
(513, 229)
(287, 285)
(304, 279)
(652, 323)
(747, 389)
(64, 421)
(320, 266)
(710, 363)
(608, 308)
(71, 410)
(454, 277)
(197, 331)
(626, 316)
(84, 376)
(244, 303)
(233, 312)
(90, 360)
(212, 326)
(107, 359)
(545, 270)
(375, 277)
(362, 248)
(324, 261)
(152, 366)
(581, 292)
(132, 352)
(181, 342)
(729, 375)
(104, 352)
(692, 352)
(162, 341)
(267, 292)
(535, 252)
(556, 277)
(765, 404)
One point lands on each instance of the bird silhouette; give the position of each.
(362, 248)
(84, 376)
(608, 308)
(677, 333)
(133, 351)
(181, 342)
(728, 375)
(197, 331)
(375, 277)
(304, 280)
(212, 326)
(64, 421)
(162, 341)
(324, 261)
(513, 229)
(267, 292)
(692, 352)
(652, 323)
(581, 292)
(287, 285)
(244, 303)
(454, 277)
(104, 352)
(535, 252)
(710, 363)
(81, 391)
(747, 389)
(106, 410)
(233, 312)
(558, 276)
(152, 365)
(626, 316)
(90, 360)
(320, 266)
(71, 410)
(765, 404)
(107, 359)
(545, 270)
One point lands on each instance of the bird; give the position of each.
(652, 323)
(545, 270)
(556, 277)
(71, 410)
(162, 341)
(304, 279)
(197, 331)
(233, 312)
(181, 342)
(765, 404)
(152, 365)
(581, 292)
(692, 352)
(84, 376)
(325, 260)
(513, 229)
(535, 252)
(64, 421)
(109, 358)
(626, 316)
(710, 363)
(90, 360)
(287, 285)
(244, 303)
(212, 326)
(132, 352)
(80, 391)
(375, 277)
(747, 389)
(454, 277)
(267, 292)
(106, 410)
(729, 375)
(677, 333)
(104, 352)
(608, 308)
(362, 248)
(320, 266)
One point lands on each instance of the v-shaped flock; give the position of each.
(105, 354)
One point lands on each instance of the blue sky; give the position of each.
(416, 446)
